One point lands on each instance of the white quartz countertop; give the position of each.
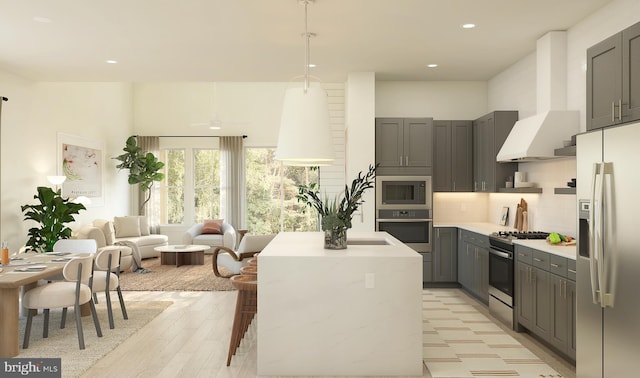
(359, 244)
(477, 227)
(568, 251)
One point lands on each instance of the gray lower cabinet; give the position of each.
(452, 156)
(473, 264)
(445, 254)
(427, 267)
(404, 145)
(546, 297)
(489, 134)
(613, 87)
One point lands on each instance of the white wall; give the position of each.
(31, 119)
(515, 88)
(456, 100)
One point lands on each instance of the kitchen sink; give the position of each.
(372, 241)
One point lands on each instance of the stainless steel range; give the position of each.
(501, 269)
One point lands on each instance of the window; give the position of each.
(263, 191)
(190, 192)
(206, 184)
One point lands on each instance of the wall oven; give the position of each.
(403, 192)
(412, 227)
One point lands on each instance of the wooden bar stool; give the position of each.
(246, 308)
(252, 261)
(249, 269)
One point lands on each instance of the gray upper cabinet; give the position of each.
(613, 79)
(403, 145)
(452, 156)
(489, 134)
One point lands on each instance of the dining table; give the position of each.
(23, 271)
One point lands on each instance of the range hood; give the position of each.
(535, 138)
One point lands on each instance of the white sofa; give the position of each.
(228, 238)
(111, 233)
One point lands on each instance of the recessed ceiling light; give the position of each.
(432, 65)
(468, 26)
(42, 19)
(110, 61)
(215, 127)
(311, 65)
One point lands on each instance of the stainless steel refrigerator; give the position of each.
(608, 261)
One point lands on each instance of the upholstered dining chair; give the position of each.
(106, 278)
(63, 294)
(76, 246)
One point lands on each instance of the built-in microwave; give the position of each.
(403, 192)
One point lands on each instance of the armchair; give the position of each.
(227, 238)
(233, 260)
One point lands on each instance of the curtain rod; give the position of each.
(193, 136)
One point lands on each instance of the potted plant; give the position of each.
(337, 213)
(143, 168)
(51, 214)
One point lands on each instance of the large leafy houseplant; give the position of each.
(337, 213)
(51, 214)
(144, 168)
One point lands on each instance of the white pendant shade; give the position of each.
(305, 137)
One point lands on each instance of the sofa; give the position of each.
(224, 235)
(124, 233)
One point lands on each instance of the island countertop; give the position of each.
(351, 312)
(360, 244)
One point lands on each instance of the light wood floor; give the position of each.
(191, 339)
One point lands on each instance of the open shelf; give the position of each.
(565, 151)
(519, 190)
(564, 190)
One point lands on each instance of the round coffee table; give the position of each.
(182, 254)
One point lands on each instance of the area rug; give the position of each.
(63, 343)
(170, 278)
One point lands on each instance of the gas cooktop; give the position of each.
(510, 235)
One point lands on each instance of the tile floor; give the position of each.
(462, 340)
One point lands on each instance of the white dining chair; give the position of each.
(74, 291)
(106, 278)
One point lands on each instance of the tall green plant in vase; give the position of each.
(337, 213)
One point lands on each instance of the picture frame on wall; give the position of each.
(81, 160)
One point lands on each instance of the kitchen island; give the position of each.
(339, 312)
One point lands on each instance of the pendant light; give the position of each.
(304, 138)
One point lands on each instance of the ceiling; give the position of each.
(260, 40)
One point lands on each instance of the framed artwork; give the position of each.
(504, 217)
(81, 160)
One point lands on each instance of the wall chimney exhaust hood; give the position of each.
(535, 138)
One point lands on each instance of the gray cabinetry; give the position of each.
(403, 145)
(427, 267)
(613, 79)
(473, 264)
(452, 156)
(445, 264)
(489, 134)
(545, 297)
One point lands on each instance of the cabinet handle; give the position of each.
(438, 232)
(406, 160)
(537, 259)
(620, 109)
(571, 270)
(454, 186)
(401, 160)
(521, 254)
(564, 293)
(555, 265)
(613, 111)
(475, 186)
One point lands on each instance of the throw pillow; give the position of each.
(212, 226)
(107, 229)
(126, 226)
(144, 225)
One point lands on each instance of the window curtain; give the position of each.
(152, 209)
(232, 179)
